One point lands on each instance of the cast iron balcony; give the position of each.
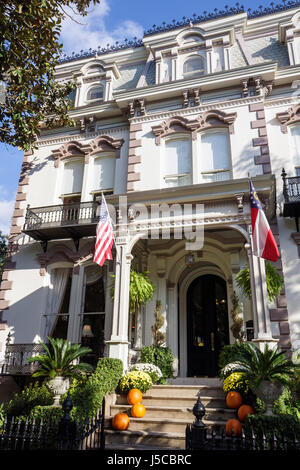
(291, 193)
(74, 220)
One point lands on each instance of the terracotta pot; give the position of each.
(59, 385)
(269, 392)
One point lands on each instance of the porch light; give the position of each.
(87, 331)
(189, 260)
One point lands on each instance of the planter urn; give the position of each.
(269, 392)
(59, 385)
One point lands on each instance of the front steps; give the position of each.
(169, 408)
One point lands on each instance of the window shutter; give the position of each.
(73, 176)
(104, 173)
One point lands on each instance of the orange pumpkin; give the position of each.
(233, 425)
(120, 421)
(234, 400)
(244, 411)
(138, 411)
(134, 396)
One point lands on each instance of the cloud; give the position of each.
(93, 32)
(6, 211)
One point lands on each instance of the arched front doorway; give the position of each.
(207, 324)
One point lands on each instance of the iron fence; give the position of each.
(64, 434)
(201, 437)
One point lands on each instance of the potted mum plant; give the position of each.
(267, 371)
(59, 363)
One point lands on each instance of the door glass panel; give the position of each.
(198, 319)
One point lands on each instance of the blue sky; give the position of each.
(112, 20)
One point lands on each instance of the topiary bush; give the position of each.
(160, 356)
(135, 379)
(88, 392)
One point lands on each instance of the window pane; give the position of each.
(104, 173)
(194, 64)
(177, 157)
(95, 93)
(172, 181)
(72, 179)
(295, 134)
(214, 151)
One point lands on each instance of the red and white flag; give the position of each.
(104, 236)
(264, 244)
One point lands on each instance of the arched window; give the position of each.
(72, 177)
(177, 164)
(95, 93)
(193, 66)
(214, 156)
(295, 145)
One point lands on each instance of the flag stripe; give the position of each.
(104, 236)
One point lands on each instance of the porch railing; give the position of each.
(291, 188)
(15, 360)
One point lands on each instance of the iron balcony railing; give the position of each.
(16, 355)
(73, 220)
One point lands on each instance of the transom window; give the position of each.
(95, 93)
(193, 66)
(177, 163)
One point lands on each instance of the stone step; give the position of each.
(157, 440)
(177, 412)
(185, 391)
(211, 381)
(165, 401)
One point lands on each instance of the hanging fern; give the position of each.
(141, 290)
(273, 279)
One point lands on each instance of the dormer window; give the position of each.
(193, 66)
(95, 93)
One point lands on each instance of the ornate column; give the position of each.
(118, 343)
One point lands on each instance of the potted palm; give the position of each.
(59, 363)
(268, 371)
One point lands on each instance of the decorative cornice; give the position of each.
(80, 137)
(208, 120)
(291, 116)
(105, 143)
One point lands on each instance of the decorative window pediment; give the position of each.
(105, 143)
(291, 116)
(207, 120)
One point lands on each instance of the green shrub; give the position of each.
(227, 355)
(87, 393)
(47, 414)
(286, 404)
(31, 396)
(161, 357)
(135, 379)
(2, 415)
(282, 426)
(237, 382)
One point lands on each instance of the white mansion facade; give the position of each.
(178, 119)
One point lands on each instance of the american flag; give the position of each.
(104, 236)
(264, 244)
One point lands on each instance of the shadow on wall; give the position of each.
(274, 51)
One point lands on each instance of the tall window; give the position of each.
(103, 173)
(177, 167)
(214, 157)
(295, 145)
(193, 66)
(72, 177)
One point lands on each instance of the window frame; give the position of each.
(195, 72)
(176, 137)
(202, 172)
(94, 86)
(296, 165)
(64, 195)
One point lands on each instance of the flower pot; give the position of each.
(269, 392)
(59, 385)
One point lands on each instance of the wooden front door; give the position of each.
(207, 324)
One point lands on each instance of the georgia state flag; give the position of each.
(264, 244)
